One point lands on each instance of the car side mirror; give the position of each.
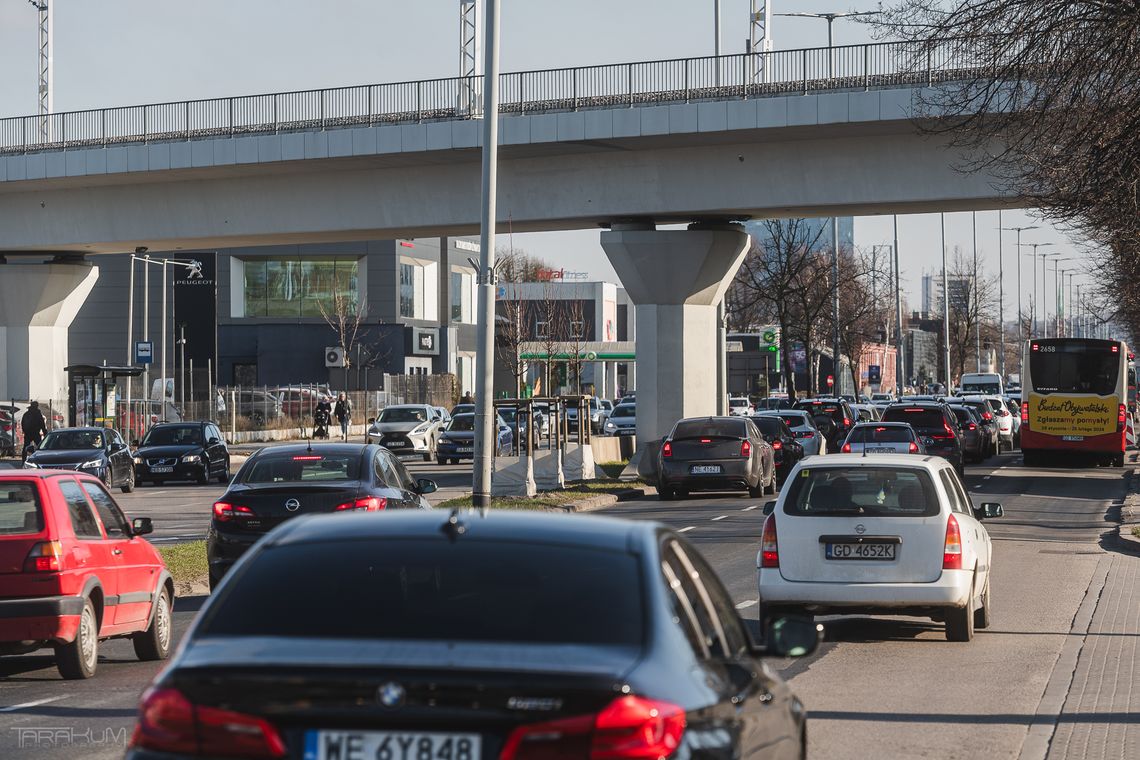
(135, 443)
(988, 511)
(212, 442)
(791, 636)
(371, 420)
(769, 508)
(425, 486)
(140, 526)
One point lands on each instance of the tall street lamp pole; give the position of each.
(1019, 230)
(485, 428)
(830, 19)
(1057, 295)
(899, 363)
(1045, 286)
(1001, 303)
(977, 305)
(945, 307)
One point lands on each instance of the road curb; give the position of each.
(603, 500)
(1130, 516)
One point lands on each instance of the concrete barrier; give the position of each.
(513, 476)
(579, 462)
(548, 475)
(613, 448)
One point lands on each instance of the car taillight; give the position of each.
(972, 426)
(169, 722)
(987, 416)
(1120, 417)
(667, 449)
(769, 545)
(805, 434)
(952, 550)
(846, 422)
(367, 504)
(629, 728)
(777, 445)
(913, 448)
(44, 557)
(846, 448)
(225, 512)
(745, 449)
(949, 432)
(1024, 412)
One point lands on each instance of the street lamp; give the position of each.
(1057, 294)
(1036, 299)
(1044, 285)
(899, 363)
(1018, 230)
(945, 308)
(830, 19)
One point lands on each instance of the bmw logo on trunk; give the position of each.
(391, 694)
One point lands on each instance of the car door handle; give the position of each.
(116, 552)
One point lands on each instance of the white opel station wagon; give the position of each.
(882, 534)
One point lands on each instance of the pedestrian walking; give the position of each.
(34, 427)
(343, 413)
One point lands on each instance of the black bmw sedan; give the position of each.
(513, 636)
(279, 483)
(182, 451)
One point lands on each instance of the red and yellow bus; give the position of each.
(1074, 399)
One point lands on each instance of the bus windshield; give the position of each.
(1075, 366)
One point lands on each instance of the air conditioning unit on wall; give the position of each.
(334, 356)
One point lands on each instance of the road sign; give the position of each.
(734, 346)
(874, 374)
(769, 336)
(144, 352)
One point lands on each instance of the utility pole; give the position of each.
(1019, 255)
(485, 428)
(977, 305)
(45, 67)
(835, 302)
(1001, 303)
(468, 55)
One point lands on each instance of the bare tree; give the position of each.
(512, 314)
(575, 342)
(549, 331)
(344, 312)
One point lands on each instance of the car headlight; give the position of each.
(138, 460)
(420, 429)
(31, 465)
(92, 463)
(611, 426)
(191, 459)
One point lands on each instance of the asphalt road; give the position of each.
(883, 688)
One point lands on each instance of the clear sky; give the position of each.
(122, 52)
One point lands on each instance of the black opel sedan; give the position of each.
(182, 451)
(279, 483)
(453, 636)
(97, 451)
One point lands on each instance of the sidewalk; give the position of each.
(1101, 714)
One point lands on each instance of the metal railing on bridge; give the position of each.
(749, 75)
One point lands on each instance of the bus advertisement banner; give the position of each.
(1060, 414)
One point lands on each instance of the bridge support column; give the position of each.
(676, 278)
(38, 302)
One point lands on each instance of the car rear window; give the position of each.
(962, 414)
(880, 434)
(297, 468)
(888, 491)
(20, 510)
(462, 423)
(918, 417)
(710, 427)
(436, 590)
(771, 426)
(795, 420)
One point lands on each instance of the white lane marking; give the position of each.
(985, 477)
(746, 605)
(749, 509)
(25, 705)
(719, 518)
(686, 530)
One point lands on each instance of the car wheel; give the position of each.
(77, 659)
(109, 477)
(440, 460)
(960, 621)
(154, 642)
(215, 580)
(665, 493)
(982, 614)
(224, 478)
(204, 476)
(130, 484)
(772, 487)
(1118, 460)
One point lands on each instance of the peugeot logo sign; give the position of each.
(860, 529)
(292, 505)
(391, 695)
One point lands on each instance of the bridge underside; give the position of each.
(866, 169)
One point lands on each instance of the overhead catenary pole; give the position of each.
(485, 429)
(45, 89)
(130, 341)
(146, 327)
(760, 38)
(945, 308)
(468, 55)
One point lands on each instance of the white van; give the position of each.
(985, 383)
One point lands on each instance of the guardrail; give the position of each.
(868, 66)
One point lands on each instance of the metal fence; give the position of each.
(748, 75)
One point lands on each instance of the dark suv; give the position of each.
(833, 416)
(183, 451)
(936, 424)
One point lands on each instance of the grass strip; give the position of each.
(546, 499)
(186, 562)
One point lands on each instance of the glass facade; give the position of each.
(298, 287)
(408, 290)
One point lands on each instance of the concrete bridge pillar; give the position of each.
(676, 279)
(38, 301)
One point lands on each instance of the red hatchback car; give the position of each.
(73, 571)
